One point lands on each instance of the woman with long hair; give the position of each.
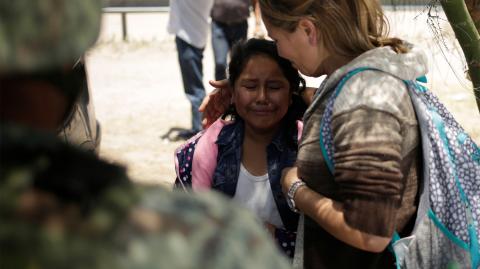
(352, 213)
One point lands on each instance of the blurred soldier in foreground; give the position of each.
(61, 207)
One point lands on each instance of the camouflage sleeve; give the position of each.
(167, 230)
(204, 231)
(64, 208)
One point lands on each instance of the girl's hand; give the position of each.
(270, 228)
(216, 102)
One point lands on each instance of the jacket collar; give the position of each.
(232, 136)
(231, 133)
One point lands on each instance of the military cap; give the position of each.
(39, 35)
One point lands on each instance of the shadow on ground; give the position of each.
(174, 134)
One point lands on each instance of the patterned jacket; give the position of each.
(224, 151)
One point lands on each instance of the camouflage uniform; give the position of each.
(39, 35)
(61, 207)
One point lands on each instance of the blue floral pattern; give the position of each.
(454, 173)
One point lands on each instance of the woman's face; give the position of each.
(262, 94)
(301, 47)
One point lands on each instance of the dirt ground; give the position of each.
(138, 93)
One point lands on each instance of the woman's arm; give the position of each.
(374, 143)
(329, 214)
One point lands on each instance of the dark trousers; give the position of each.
(190, 59)
(224, 36)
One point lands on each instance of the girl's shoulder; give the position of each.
(206, 136)
(195, 160)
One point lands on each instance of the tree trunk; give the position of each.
(473, 7)
(467, 35)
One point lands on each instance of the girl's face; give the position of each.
(262, 94)
(301, 47)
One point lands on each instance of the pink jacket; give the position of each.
(205, 158)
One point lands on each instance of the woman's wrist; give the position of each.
(291, 194)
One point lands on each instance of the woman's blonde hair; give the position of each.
(347, 27)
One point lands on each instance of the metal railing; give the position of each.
(151, 6)
(130, 9)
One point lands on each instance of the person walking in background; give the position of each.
(230, 25)
(188, 21)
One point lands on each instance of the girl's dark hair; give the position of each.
(242, 52)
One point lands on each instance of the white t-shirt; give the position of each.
(255, 194)
(189, 20)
